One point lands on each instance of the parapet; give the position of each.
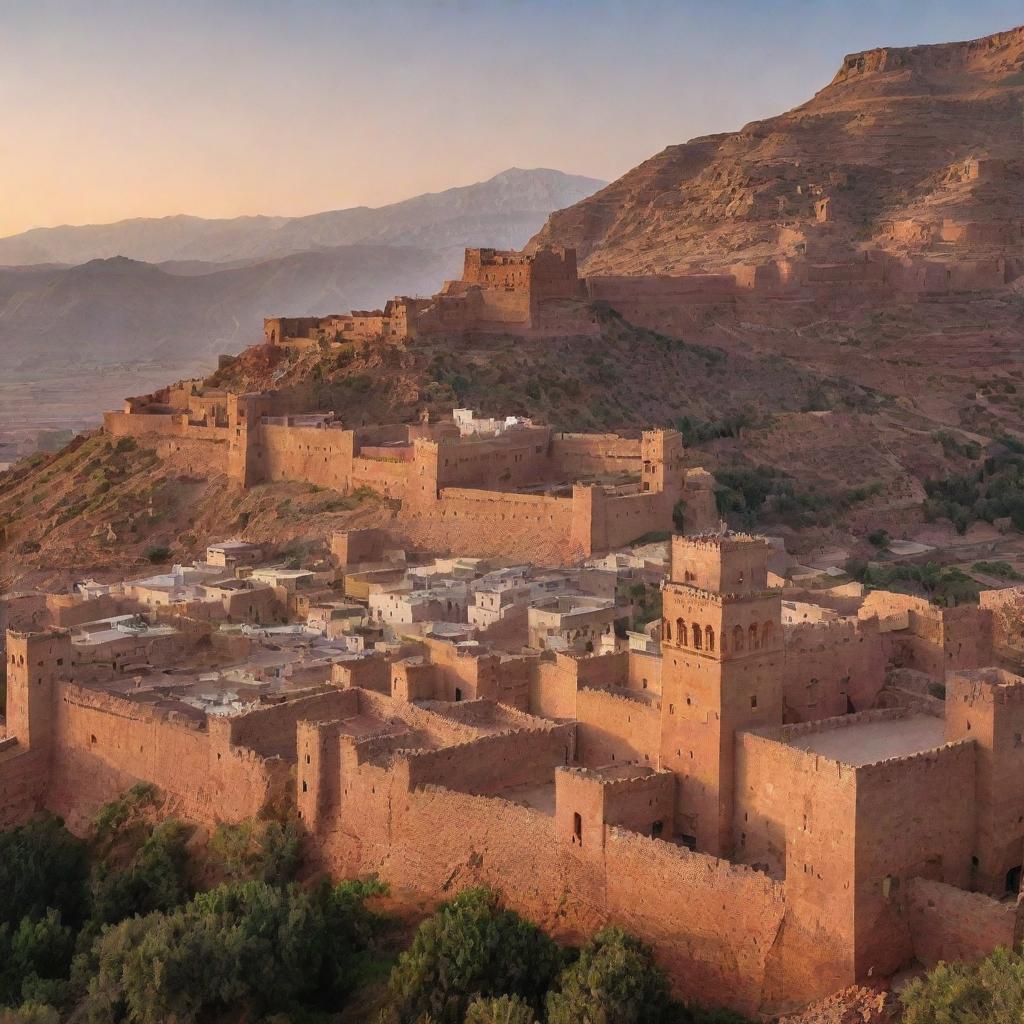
(995, 685)
(722, 563)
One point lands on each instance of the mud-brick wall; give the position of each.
(794, 813)
(913, 820)
(312, 455)
(578, 455)
(614, 729)
(125, 424)
(270, 731)
(619, 520)
(493, 763)
(949, 924)
(23, 779)
(387, 477)
(714, 926)
(489, 524)
(103, 744)
(195, 455)
(827, 664)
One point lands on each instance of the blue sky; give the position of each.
(118, 109)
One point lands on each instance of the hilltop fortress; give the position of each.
(539, 291)
(701, 793)
(480, 487)
(499, 289)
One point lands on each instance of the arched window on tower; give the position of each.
(696, 637)
(681, 631)
(709, 638)
(753, 636)
(667, 628)
(767, 634)
(737, 638)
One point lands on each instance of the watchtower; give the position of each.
(722, 650)
(34, 662)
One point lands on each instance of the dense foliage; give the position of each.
(942, 585)
(990, 491)
(113, 929)
(271, 948)
(118, 930)
(989, 992)
(471, 947)
(475, 962)
(757, 495)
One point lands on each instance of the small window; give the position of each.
(753, 701)
(458, 693)
(577, 828)
(657, 828)
(304, 786)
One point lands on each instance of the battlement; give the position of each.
(993, 685)
(721, 563)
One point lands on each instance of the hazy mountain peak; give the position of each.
(503, 211)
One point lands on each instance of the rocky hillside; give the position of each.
(877, 159)
(809, 453)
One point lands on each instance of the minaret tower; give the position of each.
(722, 655)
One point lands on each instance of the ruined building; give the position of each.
(498, 290)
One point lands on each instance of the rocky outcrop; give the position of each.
(908, 152)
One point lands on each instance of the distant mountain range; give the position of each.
(117, 311)
(502, 212)
(179, 289)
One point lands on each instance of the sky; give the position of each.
(134, 108)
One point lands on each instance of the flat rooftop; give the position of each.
(866, 742)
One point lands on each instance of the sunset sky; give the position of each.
(126, 109)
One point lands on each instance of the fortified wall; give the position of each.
(499, 494)
(765, 863)
(498, 290)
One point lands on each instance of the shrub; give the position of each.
(615, 981)
(990, 992)
(264, 948)
(35, 958)
(157, 555)
(471, 947)
(42, 866)
(267, 851)
(155, 878)
(501, 1010)
(880, 538)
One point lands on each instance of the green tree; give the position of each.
(35, 959)
(990, 992)
(500, 1010)
(471, 947)
(267, 851)
(155, 877)
(42, 866)
(614, 981)
(269, 949)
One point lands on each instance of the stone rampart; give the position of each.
(103, 744)
(614, 728)
(949, 924)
